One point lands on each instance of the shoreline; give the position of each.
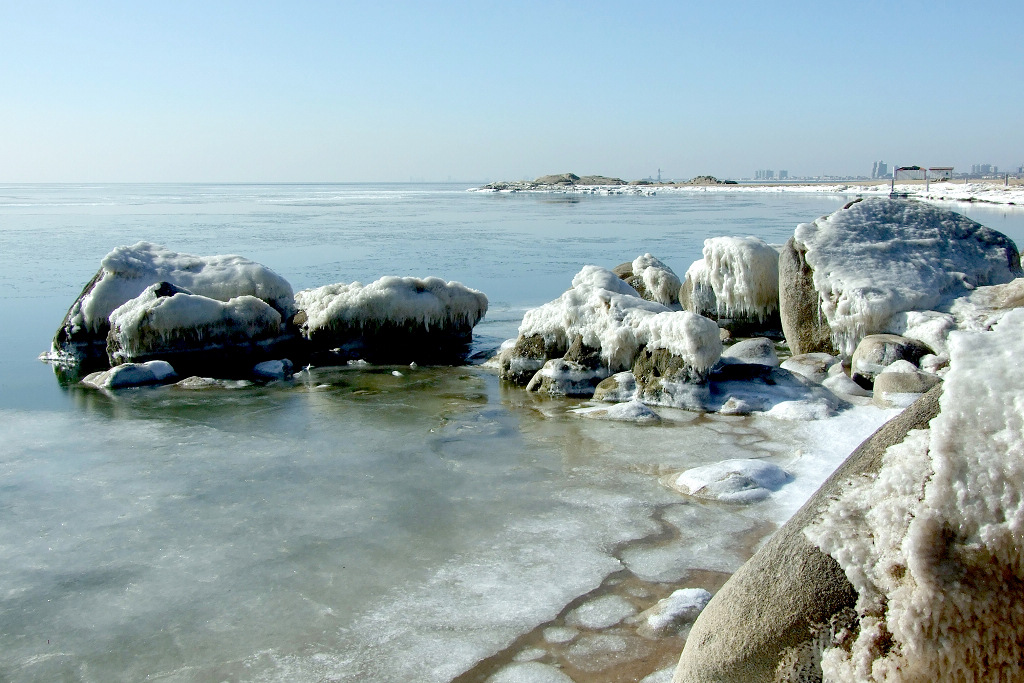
(975, 192)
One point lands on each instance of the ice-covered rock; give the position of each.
(673, 613)
(132, 375)
(845, 275)
(759, 350)
(931, 542)
(774, 616)
(742, 388)
(188, 328)
(393, 319)
(602, 320)
(560, 377)
(736, 283)
(630, 411)
(875, 352)
(652, 279)
(733, 481)
(128, 270)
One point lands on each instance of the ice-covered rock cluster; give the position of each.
(229, 316)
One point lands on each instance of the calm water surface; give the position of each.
(352, 524)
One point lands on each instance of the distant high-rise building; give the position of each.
(783, 175)
(984, 169)
(764, 175)
(879, 169)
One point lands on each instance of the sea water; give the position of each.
(362, 523)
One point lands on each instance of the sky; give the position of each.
(337, 92)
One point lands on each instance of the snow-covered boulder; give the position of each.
(630, 411)
(733, 481)
(189, 329)
(875, 352)
(128, 270)
(652, 279)
(774, 617)
(132, 375)
(845, 275)
(394, 319)
(603, 320)
(735, 283)
(270, 370)
(760, 350)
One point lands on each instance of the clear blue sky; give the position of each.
(259, 91)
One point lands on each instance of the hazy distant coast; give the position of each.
(983, 191)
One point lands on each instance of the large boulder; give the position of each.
(736, 283)
(128, 270)
(847, 274)
(774, 616)
(391, 320)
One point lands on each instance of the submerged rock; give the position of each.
(732, 481)
(845, 275)
(132, 375)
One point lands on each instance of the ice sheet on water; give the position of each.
(602, 612)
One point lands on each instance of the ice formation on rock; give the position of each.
(740, 275)
(151, 324)
(659, 281)
(933, 542)
(128, 270)
(428, 304)
(735, 481)
(610, 316)
(879, 257)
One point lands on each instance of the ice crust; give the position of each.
(682, 606)
(933, 542)
(880, 257)
(128, 270)
(150, 323)
(743, 273)
(612, 317)
(429, 303)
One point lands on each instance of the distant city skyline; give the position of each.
(318, 91)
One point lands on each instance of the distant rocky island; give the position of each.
(571, 180)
